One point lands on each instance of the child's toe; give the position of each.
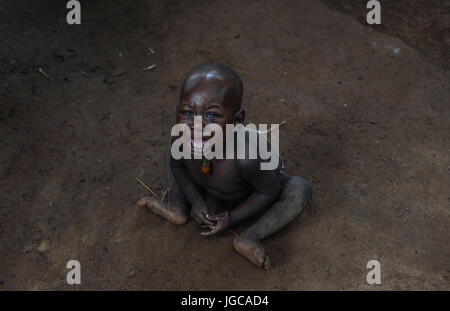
(143, 202)
(267, 263)
(262, 258)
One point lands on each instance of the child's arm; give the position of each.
(266, 189)
(199, 208)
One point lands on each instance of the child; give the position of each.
(214, 92)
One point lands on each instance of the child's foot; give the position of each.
(250, 247)
(156, 206)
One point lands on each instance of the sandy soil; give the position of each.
(371, 132)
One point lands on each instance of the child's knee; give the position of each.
(300, 188)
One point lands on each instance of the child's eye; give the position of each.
(186, 113)
(211, 115)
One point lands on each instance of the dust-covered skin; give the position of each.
(295, 195)
(177, 216)
(214, 92)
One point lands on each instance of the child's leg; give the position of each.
(295, 194)
(174, 206)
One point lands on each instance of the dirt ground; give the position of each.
(371, 132)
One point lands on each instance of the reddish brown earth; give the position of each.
(371, 132)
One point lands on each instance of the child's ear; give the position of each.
(239, 117)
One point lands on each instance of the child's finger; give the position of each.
(210, 232)
(206, 220)
(200, 218)
(212, 217)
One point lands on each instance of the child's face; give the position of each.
(212, 99)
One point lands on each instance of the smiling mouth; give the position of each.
(197, 145)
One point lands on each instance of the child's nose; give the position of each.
(198, 123)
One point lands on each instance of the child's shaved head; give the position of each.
(214, 73)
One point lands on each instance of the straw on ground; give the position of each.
(146, 187)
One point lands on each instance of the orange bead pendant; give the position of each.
(206, 167)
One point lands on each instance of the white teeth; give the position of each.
(197, 145)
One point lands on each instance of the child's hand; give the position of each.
(199, 213)
(222, 222)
